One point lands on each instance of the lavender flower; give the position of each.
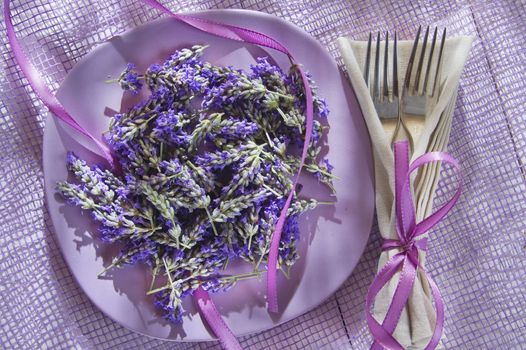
(206, 165)
(129, 79)
(229, 209)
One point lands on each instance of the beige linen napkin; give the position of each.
(417, 321)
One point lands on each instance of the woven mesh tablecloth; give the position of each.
(477, 254)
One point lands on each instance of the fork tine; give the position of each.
(443, 40)
(368, 61)
(376, 86)
(395, 67)
(386, 59)
(421, 61)
(411, 60)
(428, 69)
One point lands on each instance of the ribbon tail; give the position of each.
(42, 90)
(380, 334)
(209, 311)
(399, 300)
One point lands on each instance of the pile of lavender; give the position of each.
(206, 163)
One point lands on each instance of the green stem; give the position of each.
(109, 267)
(192, 166)
(225, 265)
(244, 275)
(154, 272)
(167, 271)
(160, 289)
(151, 223)
(285, 273)
(269, 140)
(262, 256)
(283, 115)
(146, 230)
(235, 278)
(249, 241)
(185, 245)
(176, 237)
(315, 168)
(288, 97)
(273, 191)
(211, 221)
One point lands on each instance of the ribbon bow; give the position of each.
(409, 243)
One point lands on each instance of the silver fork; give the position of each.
(386, 99)
(416, 97)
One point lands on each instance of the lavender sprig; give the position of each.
(231, 208)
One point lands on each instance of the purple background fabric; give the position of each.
(477, 254)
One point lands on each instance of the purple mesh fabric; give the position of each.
(477, 255)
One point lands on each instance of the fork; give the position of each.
(386, 98)
(417, 96)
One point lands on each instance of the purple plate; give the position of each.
(333, 236)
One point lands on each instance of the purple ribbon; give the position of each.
(227, 31)
(409, 243)
(213, 318)
(42, 90)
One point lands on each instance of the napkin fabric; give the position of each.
(417, 321)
